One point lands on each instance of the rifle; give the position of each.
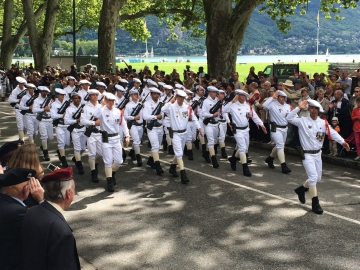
(76, 89)
(86, 98)
(76, 115)
(156, 111)
(19, 96)
(217, 106)
(92, 128)
(42, 106)
(136, 111)
(28, 104)
(123, 103)
(101, 99)
(196, 103)
(61, 110)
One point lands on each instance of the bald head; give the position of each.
(338, 95)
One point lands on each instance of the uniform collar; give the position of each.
(58, 208)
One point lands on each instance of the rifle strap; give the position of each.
(327, 128)
(190, 112)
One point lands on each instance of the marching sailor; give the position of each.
(71, 87)
(167, 144)
(26, 105)
(102, 90)
(83, 93)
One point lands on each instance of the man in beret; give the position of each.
(17, 183)
(45, 227)
(7, 150)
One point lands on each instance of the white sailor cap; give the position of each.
(161, 83)
(199, 87)
(179, 86)
(241, 92)
(20, 80)
(212, 88)
(85, 82)
(281, 93)
(101, 84)
(314, 103)
(44, 88)
(155, 90)
(93, 91)
(2, 71)
(71, 78)
(133, 91)
(136, 80)
(169, 87)
(60, 91)
(30, 85)
(123, 80)
(109, 96)
(221, 91)
(188, 91)
(181, 93)
(74, 94)
(145, 80)
(151, 82)
(119, 87)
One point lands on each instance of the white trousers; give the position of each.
(178, 142)
(62, 136)
(46, 130)
(279, 138)
(166, 124)
(112, 153)
(94, 145)
(242, 140)
(136, 132)
(191, 132)
(32, 125)
(20, 120)
(212, 134)
(222, 131)
(313, 167)
(155, 137)
(78, 140)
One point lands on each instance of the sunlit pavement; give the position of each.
(220, 220)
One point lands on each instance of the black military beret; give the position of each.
(9, 146)
(16, 176)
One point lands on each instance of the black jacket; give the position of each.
(48, 242)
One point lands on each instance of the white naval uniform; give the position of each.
(94, 142)
(223, 122)
(240, 114)
(211, 130)
(45, 125)
(101, 96)
(166, 120)
(144, 93)
(31, 124)
(68, 89)
(84, 95)
(20, 119)
(312, 134)
(62, 134)
(136, 130)
(191, 127)
(278, 113)
(77, 135)
(155, 135)
(197, 111)
(180, 116)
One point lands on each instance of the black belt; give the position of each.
(179, 131)
(222, 121)
(95, 130)
(47, 117)
(281, 126)
(113, 135)
(311, 151)
(137, 124)
(242, 128)
(157, 124)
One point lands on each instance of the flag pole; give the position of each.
(317, 36)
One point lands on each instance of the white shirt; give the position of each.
(100, 96)
(207, 105)
(68, 119)
(129, 109)
(118, 101)
(241, 113)
(179, 115)
(312, 132)
(22, 105)
(277, 111)
(147, 111)
(68, 89)
(55, 106)
(144, 94)
(13, 96)
(88, 113)
(83, 94)
(37, 106)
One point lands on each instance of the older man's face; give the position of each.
(267, 86)
(338, 95)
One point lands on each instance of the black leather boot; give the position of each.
(123, 154)
(158, 168)
(185, 150)
(63, 162)
(114, 178)
(246, 170)
(214, 162)
(139, 160)
(79, 167)
(197, 143)
(149, 144)
(94, 176)
(46, 155)
(110, 184)
(190, 154)
(151, 163)
(58, 154)
(96, 168)
(73, 159)
(270, 162)
(172, 170)
(184, 178)
(203, 148)
(315, 207)
(234, 155)
(300, 191)
(206, 156)
(170, 149)
(248, 159)
(216, 148)
(132, 154)
(284, 168)
(223, 153)
(232, 161)
(164, 143)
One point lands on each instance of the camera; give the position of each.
(51, 167)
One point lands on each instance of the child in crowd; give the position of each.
(355, 116)
(332, 143)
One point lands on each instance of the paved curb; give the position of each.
(85, 265)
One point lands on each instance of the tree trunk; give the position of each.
(106, 33)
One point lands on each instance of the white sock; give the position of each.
(273, 152)
(222, 144)
(243, 159)
(62, 152)
(92, 163)
(180, 163)
(108, 172)
(137, 149)
(44, 145)
(21, 135)
(168, 139)
(114, 167)
(31, 139)
(189, 145)
(155, 156)
(212, 151)
(281, 156)
(313, 191)
(306, 184)
(77, 156)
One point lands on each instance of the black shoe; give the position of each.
(132, 154)
(270, 161)
(173, 171)
(214, 162)
(94, 176)
(234, 155)
(158, 168)
(79, 167)
(216, 148)
(223, 153)
(232, 161)
(64, 163)
(124, 154)
(190, 154)
(46, 155)
(96, 168)
(185, 150)
(73, 159)
(58, 154)
(284, 168)
(139, 160)
(197, 143)
(315, 207)
(184, 178)
(164, 143)
(206, 156)
(300, 191)
(151, 163)
(246, 170)
(114, 178)
(110, 184)
(149, 144)
(41, 148)
(248, 159)
(203, 148)
(170, 150)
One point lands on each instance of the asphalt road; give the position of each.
(220, 220)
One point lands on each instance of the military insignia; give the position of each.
(73, 113)
(185, 114)
(320, 136)
(29, 175)
(177, 112)
(309, 127)
(107, 115)
(279, 110)
(90, 113)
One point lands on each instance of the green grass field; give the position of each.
(243, 69)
